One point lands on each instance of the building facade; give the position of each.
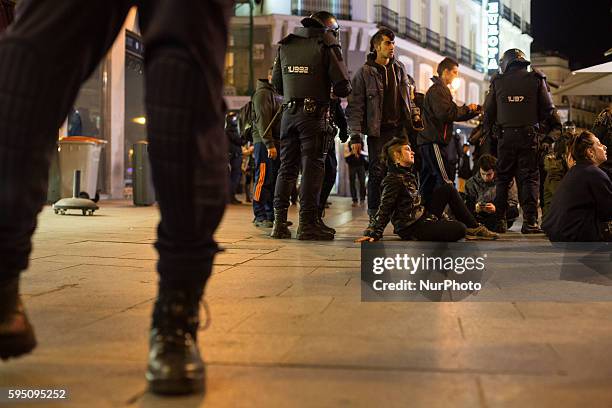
(111, 104)
(578, 108)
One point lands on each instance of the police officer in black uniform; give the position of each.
(517, 108)
(309, 65)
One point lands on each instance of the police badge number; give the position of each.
(297, 69)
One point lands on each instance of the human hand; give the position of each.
(473, 107)
(364, 239)
(490, 208)
(272, 153)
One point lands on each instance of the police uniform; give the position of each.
(518, 105)
(308, 66)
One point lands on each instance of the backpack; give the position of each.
(246, 121)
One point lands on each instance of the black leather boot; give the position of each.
(531, 227)
(310, 230)
(16, 333)
(175, 365)
(279, 229)
(322, 225)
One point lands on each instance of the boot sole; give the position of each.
(315, 238)
(17, 345)
(475, 238)
(176, 386)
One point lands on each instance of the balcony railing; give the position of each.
(340, 8)
(527, 28)
(478, 62)
(432, 40)
(507, 13)
(448, 47)
(410, 30)
(516, 20)
(386, 17)
(466, 56)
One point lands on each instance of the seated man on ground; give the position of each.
(401, 204)
(480, 194)
(581, 209)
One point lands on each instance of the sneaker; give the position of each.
(480, 233)
(264, 223)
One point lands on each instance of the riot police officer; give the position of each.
(517, 108)
(309, 64)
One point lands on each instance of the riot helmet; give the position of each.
(322, 19)
(231, 119)
(511, 57)
(569, 127)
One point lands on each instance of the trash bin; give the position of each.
(143, 192)
(79, 153)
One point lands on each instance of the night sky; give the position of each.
(580, 30)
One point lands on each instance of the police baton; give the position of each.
(273, 121)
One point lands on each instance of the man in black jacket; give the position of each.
(439, 113)
(381, 107)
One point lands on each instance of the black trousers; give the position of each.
(46, 55)
(434, 169)
(518, 157)
(302, 141)
(357, 174)
(329, 177)
(378, 168)
(426, 229)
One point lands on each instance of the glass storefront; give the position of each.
(135, 120)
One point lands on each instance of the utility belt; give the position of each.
(310, 106)
(525, 130)
(514, 129)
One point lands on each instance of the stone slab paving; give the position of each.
(288, 329)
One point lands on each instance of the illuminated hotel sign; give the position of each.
(492, 36)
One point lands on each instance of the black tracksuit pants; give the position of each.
(45, 56)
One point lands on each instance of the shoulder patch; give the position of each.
(539, 73)
(329, 40)
(286, 39)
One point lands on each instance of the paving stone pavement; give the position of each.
(288, 327)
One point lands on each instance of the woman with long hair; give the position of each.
(401, 204)
(581, 209)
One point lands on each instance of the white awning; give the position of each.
(595, 81)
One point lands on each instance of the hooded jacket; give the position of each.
(266, 103)
(365, 103)
(439, 113)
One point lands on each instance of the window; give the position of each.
(473, 93)
(408, 63)
(425, 74)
